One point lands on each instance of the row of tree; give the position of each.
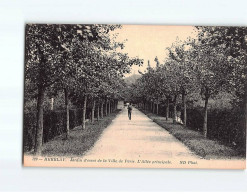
(213, 62)
(81, 60)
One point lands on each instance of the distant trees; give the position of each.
(82, 61)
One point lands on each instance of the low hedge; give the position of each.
(223, 125)
(54, 125)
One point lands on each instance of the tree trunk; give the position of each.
(39, 129)
(205, 120)
(157, 109)
(98, 112)
(153, 107)
(52, 103)
(167, 109)
(102, 109)
(106, 107)
(245, 111)
(93, 109)
(66, 95)
(184, 108)
(109, 107)
(84, 113)
(175, 109)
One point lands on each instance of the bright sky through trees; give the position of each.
(149, 41)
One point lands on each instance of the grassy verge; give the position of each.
(203, 147)
(79, 141)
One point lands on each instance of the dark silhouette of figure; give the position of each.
(129, 111)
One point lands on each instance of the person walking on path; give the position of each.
(129, 111)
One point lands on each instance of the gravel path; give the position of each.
(139, 138)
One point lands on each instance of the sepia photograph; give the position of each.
(135, 96)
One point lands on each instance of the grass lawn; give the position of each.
(205, 148)
(79, 141)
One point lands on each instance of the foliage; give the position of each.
(210, 68)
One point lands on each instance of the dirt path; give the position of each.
(139, 138)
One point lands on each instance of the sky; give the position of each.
(149, 41)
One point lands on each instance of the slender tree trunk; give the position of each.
(157, 109)
(52, 103)
(153, 107)
(184, 108)
(106, 107)
(84, 113)
(102, 109)
(66, 95)
(205, 120)
(245, 109)
(109, 107)
(98, 107)
(39, 129)
(167, 109)
(93, 109)
(175, 109)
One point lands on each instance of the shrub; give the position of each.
(29, 129)
(75, 117)
(224, 125)
(54, 125)
(194, 118)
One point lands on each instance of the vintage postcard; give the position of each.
(135, 96)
